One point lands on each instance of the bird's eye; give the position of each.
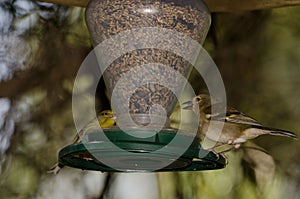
(197, 99)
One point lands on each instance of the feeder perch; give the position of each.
(132, 158)
(139, 107)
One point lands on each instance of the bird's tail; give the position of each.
(284, 133)
(279, 132)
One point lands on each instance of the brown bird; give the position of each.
(237, 129)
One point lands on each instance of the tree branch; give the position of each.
(80, 3)
(247, 5)
(214, 5)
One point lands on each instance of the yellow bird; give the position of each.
(105, 119)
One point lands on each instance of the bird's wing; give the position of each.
(232, 115)
(236, 117)
(88, 128)
(102, 120)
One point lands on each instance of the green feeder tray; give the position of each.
(112, 150)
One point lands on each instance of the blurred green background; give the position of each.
(41, 48)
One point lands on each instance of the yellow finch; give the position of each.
(238, 127)
(104, 119)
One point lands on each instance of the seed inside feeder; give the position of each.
(109, 18)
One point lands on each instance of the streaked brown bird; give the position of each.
(238, 127)
(105, 119)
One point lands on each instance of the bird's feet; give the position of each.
(218, 155)
(222, 153)
(55, 169)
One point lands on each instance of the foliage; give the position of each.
(42, 47)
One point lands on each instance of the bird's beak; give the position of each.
(188, 105)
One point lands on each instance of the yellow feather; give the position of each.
(105, 119)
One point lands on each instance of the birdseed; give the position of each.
(106, 18)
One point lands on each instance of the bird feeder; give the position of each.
(144, 40)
